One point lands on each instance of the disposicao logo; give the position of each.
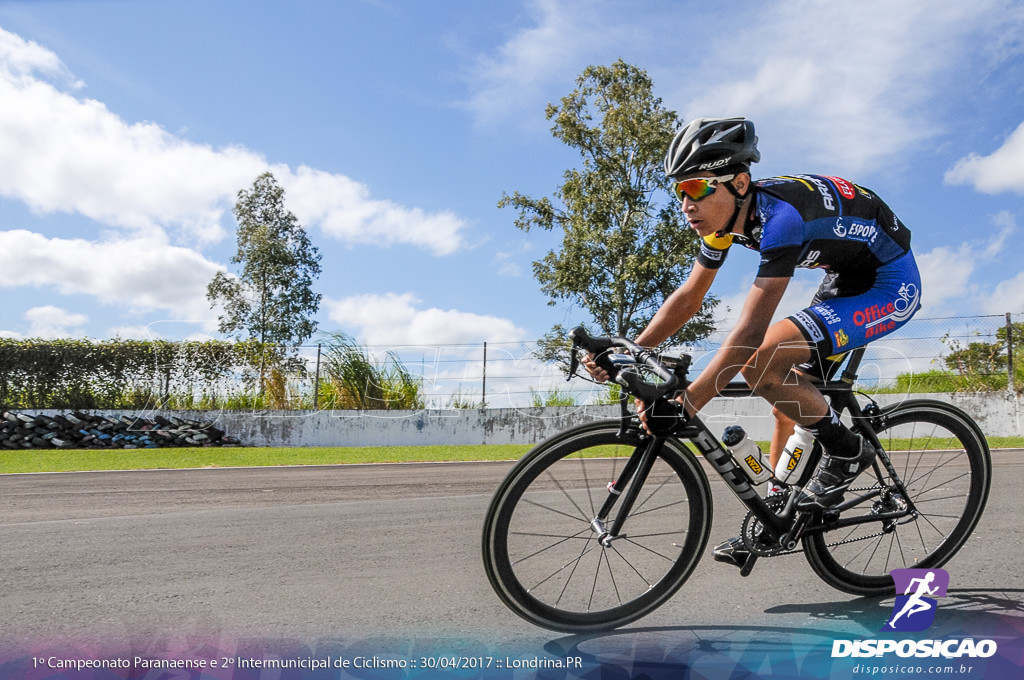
(914, 610)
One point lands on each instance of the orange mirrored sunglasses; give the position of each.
(699, 188)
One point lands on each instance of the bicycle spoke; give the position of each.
(580, 518)
(553, 560)
(586, 485)
(553, 545)
(611, 576)
(660, 507)
(636, 510)
(575, 564)
(653, 535)
(570, 498)
(631, 566)
(629, 539)
(939, 459)
(915, 480)
(555, 573)
(944, 483)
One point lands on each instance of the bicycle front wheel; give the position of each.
(943, 461)
(541, 544)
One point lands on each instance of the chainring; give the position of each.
(752, 528)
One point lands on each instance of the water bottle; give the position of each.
(794, 456)
(747, 455)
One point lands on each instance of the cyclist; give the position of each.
(871, 288)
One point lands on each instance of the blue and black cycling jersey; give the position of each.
(814, 221)
(872, 286)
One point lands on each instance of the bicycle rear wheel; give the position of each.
(541, 549)
(943, 461)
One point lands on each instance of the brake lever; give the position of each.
(574, 360)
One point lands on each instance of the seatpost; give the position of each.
(853, 366)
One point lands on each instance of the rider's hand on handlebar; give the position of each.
(642, 410)
(595, 371)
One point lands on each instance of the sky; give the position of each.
(127, 129)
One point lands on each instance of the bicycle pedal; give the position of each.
(748, 565)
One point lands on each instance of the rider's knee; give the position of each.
(762, 380)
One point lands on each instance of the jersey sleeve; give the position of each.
(713, 249)
(782, 237)
(779, 262)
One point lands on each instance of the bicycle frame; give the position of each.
(565, 552)
(780, 527)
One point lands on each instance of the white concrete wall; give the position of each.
(997, 414)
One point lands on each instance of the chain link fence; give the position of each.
(938, 354)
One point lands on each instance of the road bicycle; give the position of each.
(569, 550)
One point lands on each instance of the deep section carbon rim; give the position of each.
(542, 545)
(946, 469)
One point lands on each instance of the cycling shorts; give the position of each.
(837, 323)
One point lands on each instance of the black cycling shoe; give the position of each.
(826, 488)
(732, 552)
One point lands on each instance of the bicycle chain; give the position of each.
(751, 527)
(750, 523)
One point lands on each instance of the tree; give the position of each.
(271, 301)
(624, 246)
(984, 365)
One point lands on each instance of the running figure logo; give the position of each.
(915, 608)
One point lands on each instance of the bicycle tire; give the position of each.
(542, 556)
(944, 462)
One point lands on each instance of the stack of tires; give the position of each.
(79, 430)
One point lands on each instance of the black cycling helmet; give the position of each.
(718, 145)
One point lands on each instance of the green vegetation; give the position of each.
(553, 398)
(970, 367)
(623, 248)
(113, 374)
(946, 381)
(271, 300)
(214, 457)
(160, 374)
(356, 381)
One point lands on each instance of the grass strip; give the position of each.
(75, 460)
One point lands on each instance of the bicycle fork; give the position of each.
(631, 480)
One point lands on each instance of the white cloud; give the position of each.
(947, 272)
(396, 319)
(827, 83)
(133, 333)
(1007, 296)
(344, 209)
(59, 153)
(840, 88)
(20, 58)
(143, 274)
(946, 277)
(1002, 170)
(53, 322)
(564, 38)
(62, 154)
(507, 266)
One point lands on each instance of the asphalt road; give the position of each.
(381, 554)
